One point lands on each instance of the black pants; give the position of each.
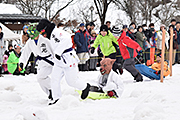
(129, 65)
(115, 65)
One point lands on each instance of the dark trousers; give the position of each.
(129, 65)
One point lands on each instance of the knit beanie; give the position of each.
(116, 31)
(104, 28)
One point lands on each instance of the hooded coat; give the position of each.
(127, 46)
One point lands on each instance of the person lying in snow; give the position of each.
(109, 81)
(157, 66)
(155, 70)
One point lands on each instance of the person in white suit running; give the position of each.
(65, 62)
(41, 47)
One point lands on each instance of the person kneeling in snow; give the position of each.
(109, 81)
(13, 60)
(157, 66)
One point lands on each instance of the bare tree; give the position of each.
(61, 9)
(102, 7)
(166, 12)
(34, 7)
(140, 11)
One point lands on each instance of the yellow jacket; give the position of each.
(157, 67)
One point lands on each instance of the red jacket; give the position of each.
(128, 46)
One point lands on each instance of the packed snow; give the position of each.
(9, 9)
(21, 98)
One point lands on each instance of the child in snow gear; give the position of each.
(13, 61)
(128, 49)
(106, 39)
(41, 47)
(65, 63)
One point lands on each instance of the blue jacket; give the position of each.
(81, 40)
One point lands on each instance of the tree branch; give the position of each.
(61, 10)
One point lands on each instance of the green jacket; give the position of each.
(12, 62)
(105, 43)
(140, 40)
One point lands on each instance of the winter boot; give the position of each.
(85, 92)
(50, 95)
(138, 78)
(120, 69)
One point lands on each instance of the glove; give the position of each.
(109, 87)
(58, 57)
(92, 50)
(110, 93)
(120, 71)
(20, 66)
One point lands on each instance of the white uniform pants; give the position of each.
(71, 78)
(43, 78)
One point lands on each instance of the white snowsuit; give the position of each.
(42, 49)
(67, 65)
(114, 82)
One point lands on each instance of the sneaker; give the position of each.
(53, 102)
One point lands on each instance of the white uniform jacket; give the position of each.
(61, 41)
(42, 49)
(114, 82)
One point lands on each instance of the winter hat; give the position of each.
(104, 28)
(32, 31)
(82, 24)
(162, 25)
(116, 31)
(131, 27)
(25, 26)
(124, 26)
(93, 32)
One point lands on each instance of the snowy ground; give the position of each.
(21, 97)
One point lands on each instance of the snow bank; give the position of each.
(9, 9)
(21, 98)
